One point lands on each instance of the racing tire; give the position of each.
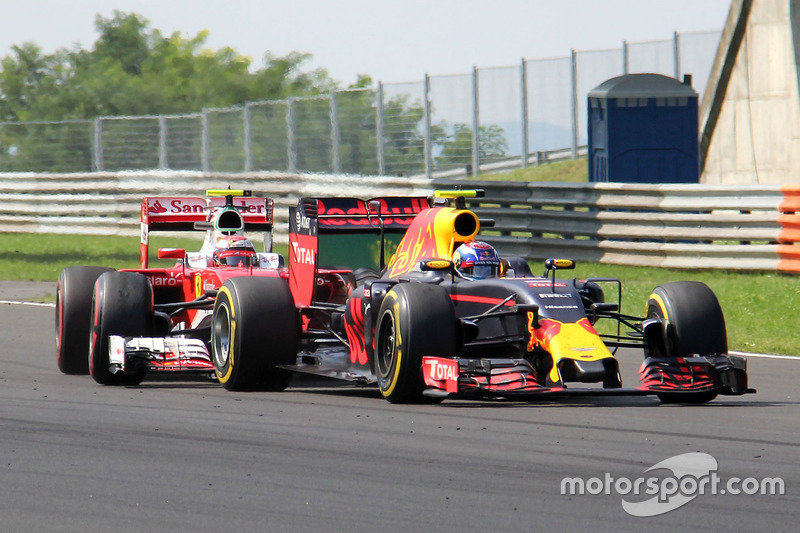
(696, 326)
(74, 316)
(122, 305)
(414, 320)
(254, 331)
(365, 274)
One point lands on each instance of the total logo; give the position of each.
(436, 369)
(303, 255)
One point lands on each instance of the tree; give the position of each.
(404, 136)
(123, 41)
(29, 81)
(132, 70)
(457, 149)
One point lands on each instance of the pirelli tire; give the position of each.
(254, 331)
(414, 320)
(122, 305)
(74, 317)
(696, 326)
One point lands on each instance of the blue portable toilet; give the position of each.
(643, 129)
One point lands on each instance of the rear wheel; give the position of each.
(414, 320)
(254, 331)
(365, 274)
(122, 305)
(696, 326)
(74, 317)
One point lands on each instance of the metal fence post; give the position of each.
(523, 78)
(625, 58)
(428, 140)
(380, 130)
(476, 125)
(205, 145)
(248, 148)
(676, 50)
(97, 142)
(163, 162)
(335, 134)
(292, 155)
(574, 98)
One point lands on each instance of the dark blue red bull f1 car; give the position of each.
(421, 330)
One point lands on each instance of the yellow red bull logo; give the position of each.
(543, 333)
(577, 340)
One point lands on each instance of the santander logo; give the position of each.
(156, 208)
(176, 206)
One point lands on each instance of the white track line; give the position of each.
(35, 304)
(765, 355)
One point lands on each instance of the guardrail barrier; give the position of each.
(690, 226)
(694, 226)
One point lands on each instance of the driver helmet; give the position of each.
(235, 250)
(477, 260)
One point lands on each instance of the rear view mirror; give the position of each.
(429, 265)
(171, 253)
(559, 264)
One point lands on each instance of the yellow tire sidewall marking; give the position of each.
(398, 343)
(657, 298)
(231, 344)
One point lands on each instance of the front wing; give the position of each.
(159, 354)
(516, 378)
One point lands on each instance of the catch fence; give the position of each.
(491, 118)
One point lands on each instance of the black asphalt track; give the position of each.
(190, 456)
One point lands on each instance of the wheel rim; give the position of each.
(222, 336)
(386, 345)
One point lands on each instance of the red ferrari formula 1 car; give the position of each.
(121, 325)
(444, 317)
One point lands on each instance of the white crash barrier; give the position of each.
(737, 227)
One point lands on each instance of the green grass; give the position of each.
(576, 170)
(760, 309)
(41, 257)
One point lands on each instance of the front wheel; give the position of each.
(695, 326)
(122, 305)
(414, 320)
(696, 322)
(254, 331)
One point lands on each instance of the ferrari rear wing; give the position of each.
(189, 213)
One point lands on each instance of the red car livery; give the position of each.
(122, 325)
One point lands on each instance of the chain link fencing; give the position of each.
(491, 118)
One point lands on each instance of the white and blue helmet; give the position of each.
(477, 260)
